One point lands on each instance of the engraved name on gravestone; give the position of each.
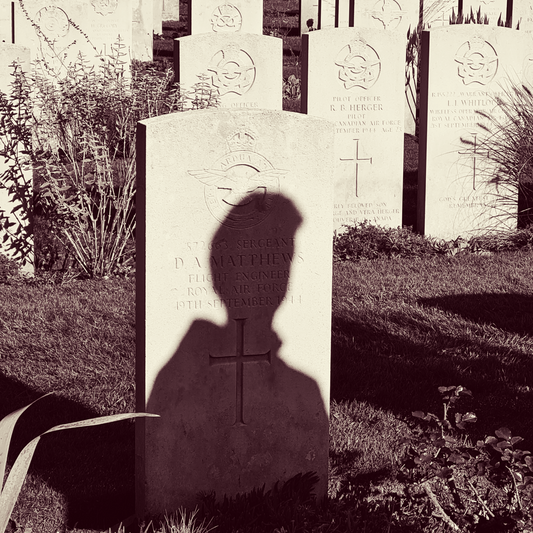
(58, 31)
(234, 290)
(355, 77)
(10, 53)
(244, 70)
(493, 9)
(466, 67)
(226, 16)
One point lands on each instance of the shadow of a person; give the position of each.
(234, 415)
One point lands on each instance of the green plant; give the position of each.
(482, 487)
(179, 521)
(507, 148)
(11, 488)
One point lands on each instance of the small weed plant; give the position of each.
(487, 486)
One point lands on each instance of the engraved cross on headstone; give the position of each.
(239, 359)
(357, 160)
(474, 152)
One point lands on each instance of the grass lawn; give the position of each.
(402, 327)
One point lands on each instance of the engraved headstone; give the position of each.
(57, 31)
(326, 14)
(465, 66)
(355, 77)
(171, 10)
(244, 70)
(10, 53)
(393, 15)
(142, 30)
(523, 15)
(437, 13)
(493, 9)
(5, 23)
(308, 15)
(157, 19)
(234, 295)
(226, 16)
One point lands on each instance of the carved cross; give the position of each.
(239, 359)
(357, 160)
(474, 152)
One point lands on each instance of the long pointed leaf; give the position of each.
(7, 425)
(16, 477)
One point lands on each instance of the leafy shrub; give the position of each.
(8, 268)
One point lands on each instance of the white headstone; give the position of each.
(226, 16)
(466, 67)
(9, 54)
(437, 13)
(326, 14)
(493, 9)
(158, 17)
(523, 14)
(234, 299)
(245, 70)
(346, 15)
(393, 15)
(5, 23)
(171, 10)
(57, 31)
(308, 15)
(142, 30)
(355, 77)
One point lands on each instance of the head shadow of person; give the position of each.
(234, 415)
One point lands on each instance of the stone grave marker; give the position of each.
(5, 23)
(523, 14)
(245, 70)
(10, 53)
(355, 77)
(226, 16)
(157, 16)
(493, 9)
(393, 15)
(465, 67)
(58, 31)
(171, 10)
(308, 16)
(326, 14)
(345, 14)
(437, 13)
(234, 295)
(142, 30)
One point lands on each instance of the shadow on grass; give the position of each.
(372, 362)
(91, 467)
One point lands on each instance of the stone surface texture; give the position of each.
(223, 16)
(65, 28)
(245, 70)
(467, 66)
(355, 77)
(142, 30)
(234, 295)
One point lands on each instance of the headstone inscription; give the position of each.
(493, 9)
(171, 10)
(464, 68)
(10, 53)
(308, 16)
(57, 31)
(244, 70)
(234, 290)
(142, 30)
(226, 16)
(355, 77)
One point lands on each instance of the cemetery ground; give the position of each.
(409, 316)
